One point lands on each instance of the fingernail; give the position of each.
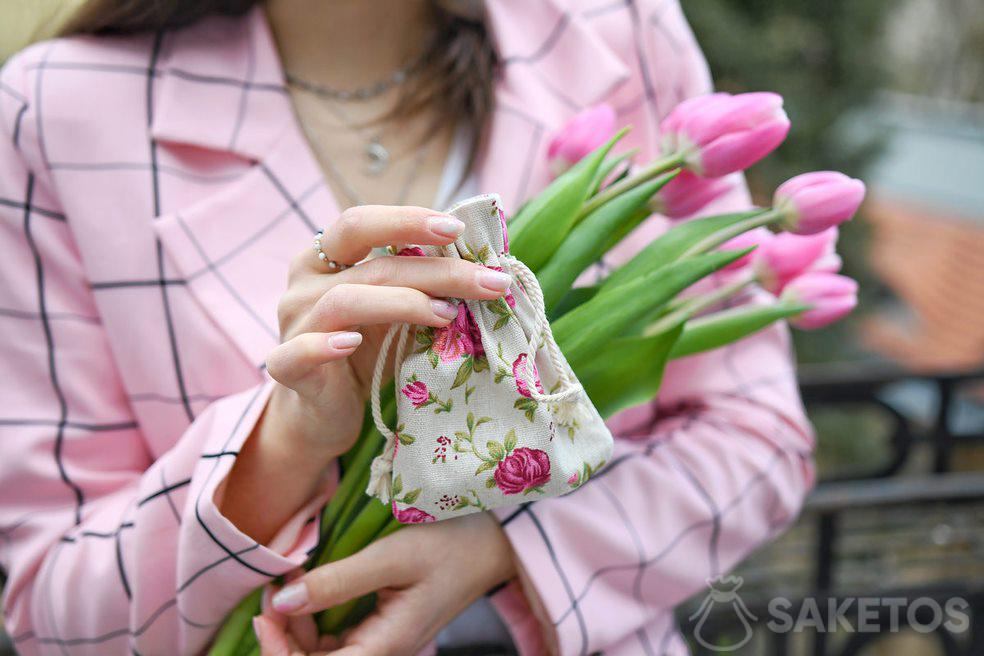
(446, 226)
(495, 280)
(259, 628)
(444, 309)
(343, 341)
(290, 598)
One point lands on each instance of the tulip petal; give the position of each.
(738, 151)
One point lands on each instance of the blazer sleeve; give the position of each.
(105, 550)
(719, 465)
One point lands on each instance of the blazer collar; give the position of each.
(221, 67)
(221, 88)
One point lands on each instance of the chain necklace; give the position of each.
(368, 92)
(354, 197)
(377, 155)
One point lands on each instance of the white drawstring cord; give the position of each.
(565, 403)
(569, 388)
(381, 470)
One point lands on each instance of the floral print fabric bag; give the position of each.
(477, 426)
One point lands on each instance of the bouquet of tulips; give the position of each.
(647, 311)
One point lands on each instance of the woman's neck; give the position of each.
(349, 43)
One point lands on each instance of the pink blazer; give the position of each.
(152, 191)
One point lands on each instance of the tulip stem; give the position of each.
(693, 306)
(656, 168)
(764, 218)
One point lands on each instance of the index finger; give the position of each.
(359, 229)
(368, 570)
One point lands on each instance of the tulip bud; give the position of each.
(687, 194)
(579, 136)
(829, 297)
(787, 256)
(757, 237)
(813, 202)
(720, 134)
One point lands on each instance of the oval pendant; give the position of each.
(378, 157)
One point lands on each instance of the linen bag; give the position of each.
(477, 426)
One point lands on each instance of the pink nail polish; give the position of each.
(446, 226)
(444, 309)
(497, 281)
(259, 628)
(344, 341)
(290, 598)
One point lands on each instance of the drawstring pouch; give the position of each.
(489, 413)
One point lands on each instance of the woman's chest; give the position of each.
(186, 259)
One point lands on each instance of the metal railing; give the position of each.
(910, 528)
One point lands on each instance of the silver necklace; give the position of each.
(377, 155)
(354, 197)
(368, 92)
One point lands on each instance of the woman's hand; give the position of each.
(331, 325)
(320, 361)
(423, 575)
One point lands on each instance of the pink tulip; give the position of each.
(579, 136)
(756, 237)
(719, 133)
(813, 202)
(828, 263)
(830, 297)
(688, 193)
(787, 256)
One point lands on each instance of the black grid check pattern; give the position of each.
(95, 309)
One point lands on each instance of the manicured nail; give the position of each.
(446, 226)
(343, 341)
(290, 598)
(497, 281)
(444, 309)
(259, 628)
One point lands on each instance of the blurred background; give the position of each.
(890, 91)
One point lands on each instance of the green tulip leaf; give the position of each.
(729, 326)
(627, 372)
(673, 244)
(584, 330)
(587, 242)
(538, 230)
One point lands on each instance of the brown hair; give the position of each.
(455, 78)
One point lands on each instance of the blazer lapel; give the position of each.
(222, 90)
(553, 66)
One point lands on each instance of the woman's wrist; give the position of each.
(282, 465)
(301, 428)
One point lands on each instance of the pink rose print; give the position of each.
(461, 337)
(417, 393)
(449, 342)
(574, 479)
(412, 515)
(518, 367)
(411, 251)
(466, 323)
(522, 470)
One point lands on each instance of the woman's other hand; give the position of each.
(423, 575)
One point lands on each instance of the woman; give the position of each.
(159, 188)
